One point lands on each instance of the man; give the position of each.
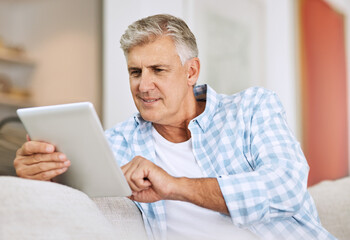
(201, 165)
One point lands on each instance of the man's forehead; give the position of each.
(149, 63)
(137, 59)
(159, 52)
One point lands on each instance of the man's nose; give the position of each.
(146, 82)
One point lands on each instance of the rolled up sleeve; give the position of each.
(277, 185)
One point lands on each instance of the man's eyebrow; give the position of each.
(159, 66)
(151, 66)
(133, 68)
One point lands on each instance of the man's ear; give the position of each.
(193, 68)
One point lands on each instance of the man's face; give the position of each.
(159, 82)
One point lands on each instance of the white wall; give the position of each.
(230, 37)
(63, 37)
(281, 53)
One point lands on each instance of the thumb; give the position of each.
(143, 183)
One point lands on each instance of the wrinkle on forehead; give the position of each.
(162, 51)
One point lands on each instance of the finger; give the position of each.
(49, 157)
(132, 184)
(28, 138)
(129, 168)
(139, 178)
(125, 167)
(32, 147)
(129, 171)
(134, 162)
(48, 175)
(141, 184)
(48, 166)
(38, 168)
(133, 187)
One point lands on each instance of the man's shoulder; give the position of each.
(121, 129)
(256, 90)
(249, 97)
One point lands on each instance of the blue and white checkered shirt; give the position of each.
(242, 140)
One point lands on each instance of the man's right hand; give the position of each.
(38, 160)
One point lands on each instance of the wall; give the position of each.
(325, 123)
(64, 38)
(231, 42)
(343, 6)
(281, 58)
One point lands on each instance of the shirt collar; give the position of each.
(206, 93)
(202, 93)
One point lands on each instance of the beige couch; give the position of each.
(39, 210)
(332, 199)
(43, 210)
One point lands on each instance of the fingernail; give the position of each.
(66, 163)
(49, 148)
(62, 157)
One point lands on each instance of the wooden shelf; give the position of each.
(15, 100)
(13, 59)
(16, 67)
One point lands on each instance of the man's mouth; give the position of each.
(149, 100)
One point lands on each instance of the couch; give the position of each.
(37, 210)
(332, 199)
(44, 210)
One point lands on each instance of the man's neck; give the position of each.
(179, 132)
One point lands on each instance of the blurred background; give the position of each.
(54, 52)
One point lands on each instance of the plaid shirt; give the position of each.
(242, 140)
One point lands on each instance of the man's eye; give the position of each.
(158, 70)
(135, 73)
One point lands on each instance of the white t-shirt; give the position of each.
(186, 220)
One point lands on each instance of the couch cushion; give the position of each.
(32, 209)
(123, 212)
(332, 199)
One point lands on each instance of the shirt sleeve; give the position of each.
(118, 145)
(277, 185)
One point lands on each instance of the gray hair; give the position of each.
(150, 28)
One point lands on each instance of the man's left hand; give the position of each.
(148, 182)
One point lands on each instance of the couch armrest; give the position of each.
(332, 199)
(123, 212)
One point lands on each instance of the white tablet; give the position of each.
(76, 131)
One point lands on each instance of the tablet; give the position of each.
(76, 131)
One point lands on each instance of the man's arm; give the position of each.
(276, 188)
(204, 192)
(151, 183)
